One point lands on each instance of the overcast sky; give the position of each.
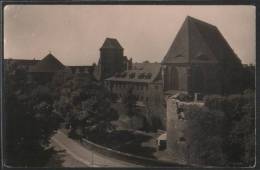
(74, 34)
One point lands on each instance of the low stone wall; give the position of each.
(128, 157)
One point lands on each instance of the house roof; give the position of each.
(198, 41)
(140, 72)
(48, 64)
(111, 43)
(21, 61)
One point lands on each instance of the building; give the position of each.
(179, 138)
(112, 59)
(201, 61)
(14, 64)
(145, 82)
(44, 70)
(144, 79)
(81, 69)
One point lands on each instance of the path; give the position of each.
(85, 156)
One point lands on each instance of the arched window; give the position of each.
(198, 80)
(174, 79)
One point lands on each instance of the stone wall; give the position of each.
(178, 139)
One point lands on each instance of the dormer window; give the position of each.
(202, 57)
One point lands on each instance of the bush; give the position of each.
(239, 125)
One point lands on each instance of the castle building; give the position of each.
(112, 59)
(200, 60)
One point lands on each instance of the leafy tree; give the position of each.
(85, 106)
(30, 121)
(239, 125)
(205, 131)
(129, 101)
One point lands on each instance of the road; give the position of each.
(85, 156)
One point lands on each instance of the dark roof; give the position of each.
(140, 72)
(81, 68)
(21, 61)
(198, 41)
(111, 43)
(85, 67)
(47, 64)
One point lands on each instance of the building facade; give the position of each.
(179, 139)
(145, 82)
(201, 61)
(144, 79)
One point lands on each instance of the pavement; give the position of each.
(84, 156)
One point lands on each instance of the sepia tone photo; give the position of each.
(129, 86)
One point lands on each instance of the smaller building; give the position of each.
(144, 79)
(44, 70)
(179, 133)
(14, 64)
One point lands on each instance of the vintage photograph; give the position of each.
(129, 85)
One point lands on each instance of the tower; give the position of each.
(112, 59)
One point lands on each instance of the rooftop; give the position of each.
(199, 41)
(111, 43)
(48, 64)
(140, 72)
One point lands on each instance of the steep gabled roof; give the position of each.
(47, 64)
(198, 41)
(111, 43)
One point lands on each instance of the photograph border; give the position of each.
(126, 2)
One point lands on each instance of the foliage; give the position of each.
(30, 121)
(129, 101)
(238, 126)
(85, 106)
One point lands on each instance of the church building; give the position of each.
(200, 60)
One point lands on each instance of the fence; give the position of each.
(139, 160)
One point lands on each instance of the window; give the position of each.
(148, 75)
(202, 57)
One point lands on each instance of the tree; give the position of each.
(85, 105)
(129, 101)
(30, 121)
(239, 125)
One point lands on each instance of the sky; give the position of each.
(75, 33)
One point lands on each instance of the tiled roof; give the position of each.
(198, 41)
(47, 64)
(140, 72)
(111, 43)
